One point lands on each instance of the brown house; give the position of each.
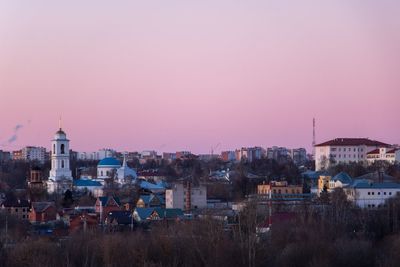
(42, 212)
(18, 208)
(279, 188)
(104, 205)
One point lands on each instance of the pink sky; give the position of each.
(173, 75)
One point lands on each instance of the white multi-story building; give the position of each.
(367, 194)
(390, 155)
(98, 155)
(186, 197)
(30, 153)
(344, 150)
(249, 153)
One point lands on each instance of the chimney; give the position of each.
(188, 203)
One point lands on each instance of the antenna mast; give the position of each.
(313, 140)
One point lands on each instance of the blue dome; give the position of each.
(109, 162)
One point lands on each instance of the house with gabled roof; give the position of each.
(155, 214)
(152, 200)
(121, 218)
(42, 212)
(106, 204)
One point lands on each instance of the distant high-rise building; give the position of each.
(4, 156)
(278, 153)
(228, 155)
(30, 153)
(298, 155)
(249, 153)
(17, 155)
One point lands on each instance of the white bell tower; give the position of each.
(60, 173)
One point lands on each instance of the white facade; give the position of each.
(60, 177)
(98, 155)
(344, 150)
(34, 153)
(107, 168)
(176, 197)
(371, 195)
(125, 174)
(384, 154)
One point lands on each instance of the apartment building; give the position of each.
(345, 150)
(185, 196)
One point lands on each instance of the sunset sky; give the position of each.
(173, 75)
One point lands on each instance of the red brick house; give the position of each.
(104, 205)
(42, 212)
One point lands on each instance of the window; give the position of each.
(373, 193)
(384, 193)
(379, 193)
(62, 164)
(390, 193)
(54, 149)
(369, 193)
(62, 148)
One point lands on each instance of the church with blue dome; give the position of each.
(111, 168)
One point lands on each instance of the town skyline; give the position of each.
(14, 142)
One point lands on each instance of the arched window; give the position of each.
(62, 149)
(62, 164)
(101, 173)
(54, 149)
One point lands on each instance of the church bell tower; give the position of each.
(60, 177)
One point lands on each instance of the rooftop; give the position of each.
(353, 142)
(109, 162)
(86, 183)
(363, 184)
(342, 177)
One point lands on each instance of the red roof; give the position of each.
(373, 152)
(391, 151)
(353, 142)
